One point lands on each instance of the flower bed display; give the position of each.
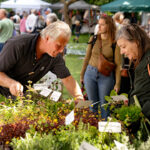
(36, 122)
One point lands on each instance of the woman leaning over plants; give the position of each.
(97, 83)
(135, 44)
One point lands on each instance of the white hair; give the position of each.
(55, 29)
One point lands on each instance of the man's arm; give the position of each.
(14, 86)
(73, 87)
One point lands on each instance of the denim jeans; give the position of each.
(98, 86)
(1, 46)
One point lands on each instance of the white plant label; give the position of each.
(119, 98)
(120, 146)
(55, 96)
(83, 104)
(39, 86)
(87, 146)
(112, 127)
(45, 92)
(69, 118)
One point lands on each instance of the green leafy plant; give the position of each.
(128, 114)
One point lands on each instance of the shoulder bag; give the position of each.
(104, 66)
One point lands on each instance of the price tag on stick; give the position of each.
(112, 127)
(45, 92)
(69, 118)
(120, 146)
(55, 96)
(87, 146)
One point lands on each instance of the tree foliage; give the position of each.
(96, 2)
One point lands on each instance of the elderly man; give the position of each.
(31, 56)
(6, 28)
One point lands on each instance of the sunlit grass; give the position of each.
(74, 64)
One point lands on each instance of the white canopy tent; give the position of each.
(25, 4)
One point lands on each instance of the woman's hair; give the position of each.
(126, 21)
(133, 33)
(55, 29)
(111, 27)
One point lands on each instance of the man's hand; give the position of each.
(16, 89)
(14, 86)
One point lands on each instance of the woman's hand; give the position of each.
(116, 89)
(81, 80)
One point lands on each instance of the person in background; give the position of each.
(11, 14)
(78, 16)
(52, 17)
(148, 27)
(31, 22)
(133, 18)
(47, 11)
(73, 23)
(135, 44)
(118, 18)
(6, 28)
(23, 23)
(30, 56)
(97, 84)
(40, 23)
(16, 20)
(77, 31)
(126, 21)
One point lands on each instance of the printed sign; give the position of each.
(83, 104)
(112, 127)
(55, 96)
(69, 118)
(87, 146)
(120, 146)
(45, 92)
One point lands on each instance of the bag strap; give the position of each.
(113, 46)
(148, 65)
(93, 41)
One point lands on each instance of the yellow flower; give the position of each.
(55, 121)
(7, 142)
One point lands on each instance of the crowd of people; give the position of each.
(117, 57)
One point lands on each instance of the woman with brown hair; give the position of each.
(135, 44)
(96, 83)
